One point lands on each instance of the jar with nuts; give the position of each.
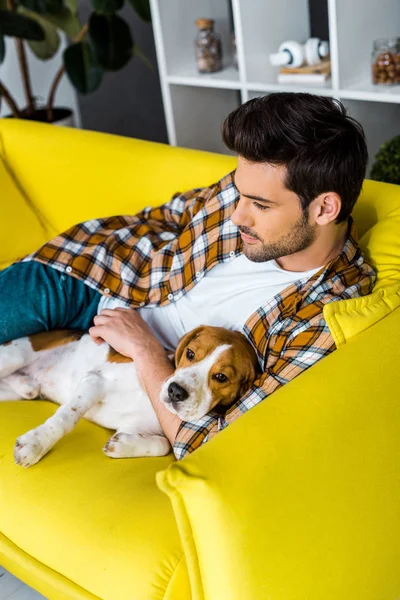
(208, 47)
(386, 61)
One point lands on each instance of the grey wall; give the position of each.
(128, 102)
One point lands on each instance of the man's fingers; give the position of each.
(93, 332)
(101, 319)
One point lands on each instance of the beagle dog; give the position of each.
(213, 366)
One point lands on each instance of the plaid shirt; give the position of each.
(156, 256)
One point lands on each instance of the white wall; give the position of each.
(42, 75)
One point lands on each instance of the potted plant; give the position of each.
(387, 162)
(104, 43)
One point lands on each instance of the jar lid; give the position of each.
(387, 42)
(204, 23)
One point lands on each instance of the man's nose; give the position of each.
(176, 393)
(241, 216)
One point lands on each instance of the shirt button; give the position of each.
(69, 269)
(107, 291)
(199, 274)
(142, 304)
(232, 254)
(170, 297)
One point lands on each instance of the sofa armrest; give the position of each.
(298, 499)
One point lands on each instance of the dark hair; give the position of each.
(323, 149)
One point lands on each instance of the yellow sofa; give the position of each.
(297, 500)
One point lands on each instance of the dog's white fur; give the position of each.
(78, 376)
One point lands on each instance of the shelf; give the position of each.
(321, 90)
(228, 78)
(365, 90)
(196, 104)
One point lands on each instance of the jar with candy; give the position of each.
(386, 61)
(208, 47)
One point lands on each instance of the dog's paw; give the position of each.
(119, 446)
(126, 445)
(28, 389)
(29, 449)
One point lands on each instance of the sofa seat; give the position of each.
(120, 526)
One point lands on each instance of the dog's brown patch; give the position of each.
(116, 357)
(52, 339)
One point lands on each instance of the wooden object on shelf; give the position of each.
(323, 68)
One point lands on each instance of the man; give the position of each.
(262, 250)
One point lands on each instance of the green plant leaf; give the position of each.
(142, 8)
(19, 26)
(107, 7)
(2, 49)
(111, 40)
(38, 6)
(46, 49)
(72, 5)
(66, 21)
(387, 162)
(43, 6)
(82, 69)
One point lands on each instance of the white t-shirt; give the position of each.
(225, 297)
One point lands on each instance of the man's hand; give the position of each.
(126, 332)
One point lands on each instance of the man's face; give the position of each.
(277, 227)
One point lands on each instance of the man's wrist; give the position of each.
(151, 350)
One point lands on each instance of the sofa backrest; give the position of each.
(72, 175)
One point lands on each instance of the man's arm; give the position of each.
(153, 369)
(300, 353)
(126, 331)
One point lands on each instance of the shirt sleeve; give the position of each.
(300, 352)
(177, 213)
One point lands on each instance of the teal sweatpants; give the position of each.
(35, 298)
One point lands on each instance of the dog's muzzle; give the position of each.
(176, 393)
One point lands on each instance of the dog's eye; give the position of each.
(189, 354)
(221, 377)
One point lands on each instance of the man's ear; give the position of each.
(328, 207)
(185, 341)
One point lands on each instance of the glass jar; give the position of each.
(208, 47)
(386, 61)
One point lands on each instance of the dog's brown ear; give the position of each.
(252, 370)
(185, 341)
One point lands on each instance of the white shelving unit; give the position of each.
(196, 104)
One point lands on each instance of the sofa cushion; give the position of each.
(81, 523)
(377, 216)
(347, 318)
(21, 230)
(299, 498)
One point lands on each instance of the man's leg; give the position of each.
(35, 298)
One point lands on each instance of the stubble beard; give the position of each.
(300, 237)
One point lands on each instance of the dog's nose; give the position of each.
(176, 393)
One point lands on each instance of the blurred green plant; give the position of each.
(104, 43)
(387, 162)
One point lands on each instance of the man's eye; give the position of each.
(189, 354)
(221, 377)
(261, 206)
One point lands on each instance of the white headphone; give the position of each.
(294, 54)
